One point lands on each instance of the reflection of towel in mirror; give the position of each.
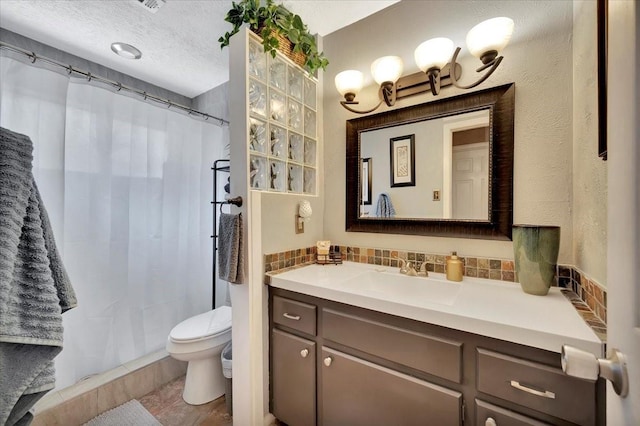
(385, 207)
(34, 287)
(230, 260)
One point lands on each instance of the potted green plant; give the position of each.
(273, 22)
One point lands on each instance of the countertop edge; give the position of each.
(546, 340)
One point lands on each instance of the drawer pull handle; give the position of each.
(327, 361)
(304, 353)
(544, 394)
(490, 422)
(291, 317)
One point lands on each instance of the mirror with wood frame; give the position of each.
(403, 168)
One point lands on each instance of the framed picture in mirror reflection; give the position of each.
(403, 161)
(367, 175)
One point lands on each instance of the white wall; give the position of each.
(589, 171)
(538, 60)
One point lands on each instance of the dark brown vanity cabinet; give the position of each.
(335, 364)
(293, 362)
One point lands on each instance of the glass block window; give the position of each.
(282, 121)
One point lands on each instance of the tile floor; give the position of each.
(167, 405)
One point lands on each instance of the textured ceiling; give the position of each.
(179, 44)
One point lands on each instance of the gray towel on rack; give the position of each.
(385, 207)
(230, 253)
(34, 287)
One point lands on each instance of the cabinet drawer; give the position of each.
(537, 386)
(297, 315)
(502, 416)
(356, 392)
(433, 355)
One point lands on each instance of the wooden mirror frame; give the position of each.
(500, 100)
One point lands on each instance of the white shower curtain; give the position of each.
(127, 185)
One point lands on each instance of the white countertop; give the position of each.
(486, 307)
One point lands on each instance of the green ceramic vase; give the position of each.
(535, 250)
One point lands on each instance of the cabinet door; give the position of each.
(357, 392)
(293, 375)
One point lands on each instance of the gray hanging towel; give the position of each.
(230, 254)
(34, 286)
(385, 207)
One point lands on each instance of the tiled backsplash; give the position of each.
(481, 267)
(287, 259)
(589, 298)
(497, 269)
(589, 291)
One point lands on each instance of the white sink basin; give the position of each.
(410, 290)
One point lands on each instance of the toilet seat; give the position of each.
(202, 326)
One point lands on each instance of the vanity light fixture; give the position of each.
(126, 50)
(434, 58)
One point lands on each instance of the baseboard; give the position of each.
(84, 400)
(269, 420)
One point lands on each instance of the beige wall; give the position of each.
(589, 172)
(539, 61)
(279, 222)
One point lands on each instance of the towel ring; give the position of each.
(236, 201)
(225, 204)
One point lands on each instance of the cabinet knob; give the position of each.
(304, 353)
(490, 422)
(327, 361)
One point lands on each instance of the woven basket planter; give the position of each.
(286, 47)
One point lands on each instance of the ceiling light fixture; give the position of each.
(126, 50)
(434, 58)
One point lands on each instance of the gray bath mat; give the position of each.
(131, 413)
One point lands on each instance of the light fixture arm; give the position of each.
(346, 104)
(493, 65)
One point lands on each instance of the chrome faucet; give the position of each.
(403, 265)
(423, 270)
(411, 271)
(406, 267)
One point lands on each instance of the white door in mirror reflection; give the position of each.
(470, 181)
(466, 149)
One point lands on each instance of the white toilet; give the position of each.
(199, 340)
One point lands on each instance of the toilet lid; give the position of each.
(204, 325)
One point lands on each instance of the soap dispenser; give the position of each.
(454, 267)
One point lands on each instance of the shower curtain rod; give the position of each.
(119, 86)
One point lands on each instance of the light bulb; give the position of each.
(433, 53)
(386, 69)
(490, 35)
(349, 82)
